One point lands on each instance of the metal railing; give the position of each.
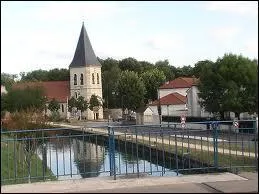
(135, 150)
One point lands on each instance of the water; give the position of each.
(75, 158)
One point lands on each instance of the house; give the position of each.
(172, 96)
(193, 102)
(85, 80)
(145, 115)
(179, 85)
(58, 90)
(173, 104)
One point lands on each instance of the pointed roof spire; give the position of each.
(84, 54)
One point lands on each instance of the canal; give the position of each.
(71, 155)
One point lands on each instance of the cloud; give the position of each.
(71, 11)
(249, 8)
(165, 41)
(252, 47)
(224, 34)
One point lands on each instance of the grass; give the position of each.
(204, 156)
(236, 146)
(13, 167)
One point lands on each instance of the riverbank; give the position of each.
(13, 167)
(204, 153)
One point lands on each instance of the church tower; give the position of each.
(85, 74)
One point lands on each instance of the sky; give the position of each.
(44, 35)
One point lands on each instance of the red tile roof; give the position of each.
(52, 89)
(180, 82)
(171, 99)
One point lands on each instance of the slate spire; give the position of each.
(84, 54)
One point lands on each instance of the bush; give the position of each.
(25, 120)
(55, 116)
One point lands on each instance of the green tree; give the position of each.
(130, 64)
(166, 68)
(22, 99)
(72, 102)
(211, 87)
(198, 67)
(58, 75)
(110, 77)
(132, 89)
(8, 80)
(53, 105)
(152, 80)
(230, 85)
(44, 75)
(94, 102)
(185, 71)
(146, 66)
(81, 104)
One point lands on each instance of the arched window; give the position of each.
(92, 78)
(75, 79)
(82, 79)
(76, 94)
(97, 78)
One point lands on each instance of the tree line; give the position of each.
(229, 84)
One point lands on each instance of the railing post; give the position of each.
(112, 152)
(255, 125)
(215, 143)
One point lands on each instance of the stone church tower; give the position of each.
(85, 75)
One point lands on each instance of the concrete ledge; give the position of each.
(95, 184)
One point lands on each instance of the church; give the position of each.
(85, 80)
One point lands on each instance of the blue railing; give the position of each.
(157, 150)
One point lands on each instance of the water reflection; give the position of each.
(74, 158)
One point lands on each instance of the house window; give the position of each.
(92, 78)
(97, 78)
(82, 79)
(75, 79)
(62, 107)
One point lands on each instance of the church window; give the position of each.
(82, 79)
(75, 79)
(92, 78)
(97, 78)
(62, 107)
(76, 94)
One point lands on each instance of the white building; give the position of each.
(176, 98)
(3, 90)
(146, 116)
(85, 80)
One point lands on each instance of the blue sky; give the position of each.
(43, 35)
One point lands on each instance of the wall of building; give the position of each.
(194, 107)
(89, 87)
(63, 114)
(165, 92)
(170, 110)
(148, 117)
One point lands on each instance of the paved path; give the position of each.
(159, 140)
(188, 183)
